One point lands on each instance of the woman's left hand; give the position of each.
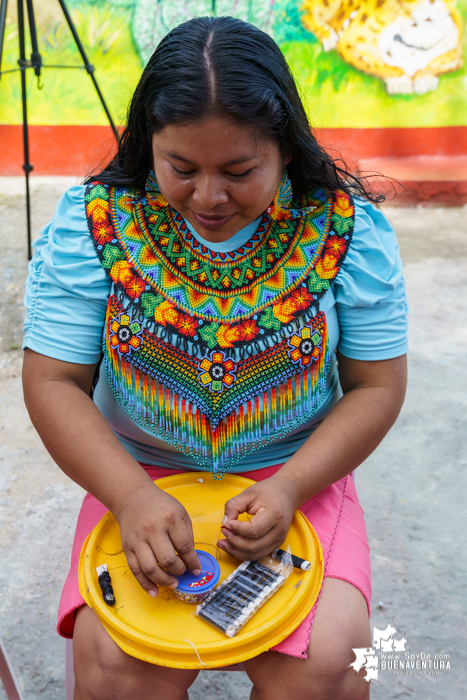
(272, 503)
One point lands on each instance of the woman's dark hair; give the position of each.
(224, 66)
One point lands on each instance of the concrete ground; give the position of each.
(412, 489)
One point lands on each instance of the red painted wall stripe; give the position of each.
(77, 150)
(383, 143)
(56, 150)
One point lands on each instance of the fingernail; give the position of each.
(220, 545)
(224, 520)
(152, 593)
(196, 572)
(174, 584)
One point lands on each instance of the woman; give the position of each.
(236, 283)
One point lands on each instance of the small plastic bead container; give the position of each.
(194, 589)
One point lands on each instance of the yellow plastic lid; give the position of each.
(164, 630)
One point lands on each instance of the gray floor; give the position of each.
(412, 489)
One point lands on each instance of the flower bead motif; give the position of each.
(187, 325)
(306, 347)
(335, 246)
(216, 372)
(124, 334)
(134, 287)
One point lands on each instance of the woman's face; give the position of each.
(217, 174)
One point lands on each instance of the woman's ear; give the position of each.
(288, 158)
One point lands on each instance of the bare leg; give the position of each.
(104, 672)
(341, 624)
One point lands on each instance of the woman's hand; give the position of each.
(272, 503)
(157, 534)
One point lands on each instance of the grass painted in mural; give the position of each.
(68, 96)
(359, 64)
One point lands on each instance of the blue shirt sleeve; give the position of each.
(67, 288)
(369, 290)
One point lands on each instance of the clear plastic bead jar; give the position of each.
(194, 589)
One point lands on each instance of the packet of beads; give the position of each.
(244, 592)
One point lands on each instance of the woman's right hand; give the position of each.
(156, 535)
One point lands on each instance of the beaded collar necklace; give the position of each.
(218, 353)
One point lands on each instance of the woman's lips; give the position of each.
(212, 222)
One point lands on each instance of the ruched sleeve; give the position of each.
(67, 288)
(370, 291)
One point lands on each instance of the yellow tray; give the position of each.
(159, 630)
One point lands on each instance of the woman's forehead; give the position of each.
(214, 139)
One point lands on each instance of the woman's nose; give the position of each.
(209, 192)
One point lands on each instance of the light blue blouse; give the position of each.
(67, 292)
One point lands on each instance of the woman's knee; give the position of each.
(101, 668)
(340, 625)
(104, 672)
(330, 672)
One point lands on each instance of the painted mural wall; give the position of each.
(359, 63)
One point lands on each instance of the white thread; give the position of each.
(196, 652)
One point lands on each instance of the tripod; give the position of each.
(35, 62)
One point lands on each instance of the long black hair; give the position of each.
(224, 66)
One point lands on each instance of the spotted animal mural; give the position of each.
(407, 44)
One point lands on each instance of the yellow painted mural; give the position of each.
(359, 63)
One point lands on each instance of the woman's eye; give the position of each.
(183, 173)
(247, 172)
(188, 173)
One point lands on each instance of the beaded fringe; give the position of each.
(251, 426)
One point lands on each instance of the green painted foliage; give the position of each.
(287, 23)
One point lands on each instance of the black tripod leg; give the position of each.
(36, 59)
(89, 67)
(3, 9)
(27, 167)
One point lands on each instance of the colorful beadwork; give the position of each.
(216, 371)
(305, 346)
(125, 334)
(219, 354)
(202, 581)
(281, 206)
(192, 598)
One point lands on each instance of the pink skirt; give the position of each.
(335, 514)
